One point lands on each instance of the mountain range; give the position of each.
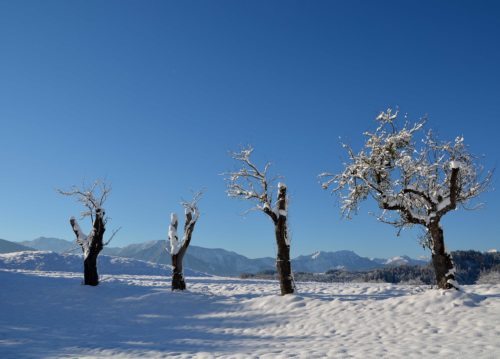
(222, 262)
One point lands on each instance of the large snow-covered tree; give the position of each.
(252, 183)
(414, 178)
(92, 198)
(178, 248)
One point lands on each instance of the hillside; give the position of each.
(9, 247)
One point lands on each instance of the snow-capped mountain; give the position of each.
(226, 263)
(56, 262)
(322, 261)
(404, 260)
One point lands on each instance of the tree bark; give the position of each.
(90, 270)
(91, 246)
(177, 272)
(283, 265)
(178, 282)
(441, 260)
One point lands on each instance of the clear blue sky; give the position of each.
(152, 95)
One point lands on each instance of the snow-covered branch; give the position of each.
(172, 234)
(192, 214)
(420, 182)
(91, 197)
(250, 182)
(81, 238)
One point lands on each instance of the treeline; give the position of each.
(471, 267)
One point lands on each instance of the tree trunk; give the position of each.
(178, 282)
(90, 270)
(283, 265)
(441, 260)
(95, 246)
(177, 275)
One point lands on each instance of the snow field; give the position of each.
(50, 315)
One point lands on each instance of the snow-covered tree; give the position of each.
(92, 198)
(251, 183)
(415, 180)
(178, 248)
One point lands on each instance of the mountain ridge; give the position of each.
(218, 261)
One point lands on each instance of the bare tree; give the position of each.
(177, 248)
(251, 183)
(412, 185)
(92, 198)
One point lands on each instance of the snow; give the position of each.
(51, 315)
(443, 204)
(175, 246)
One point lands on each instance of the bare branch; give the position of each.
(249, 182)
(91, 197)
(112, 236)
(418, 180)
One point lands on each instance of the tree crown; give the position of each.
(414, 177)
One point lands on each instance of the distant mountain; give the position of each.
(61, 246)
(50, 244)
(209, 260)
(223, 262)
(51, 261)
(9, 247)
(401, 260)
(320, 262)
(226, 263)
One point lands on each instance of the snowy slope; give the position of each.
(138, 316)
(51, 261)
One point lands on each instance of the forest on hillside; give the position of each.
(471, 267)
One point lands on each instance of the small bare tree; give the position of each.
(92, 198)
(412, 185)
(250, 183)
(177, 248)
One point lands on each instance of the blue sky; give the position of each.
(152, 95)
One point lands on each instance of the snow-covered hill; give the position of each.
(51, 261)
(139, 316)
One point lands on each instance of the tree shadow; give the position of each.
(58, 316)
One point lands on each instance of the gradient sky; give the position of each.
(151, 96)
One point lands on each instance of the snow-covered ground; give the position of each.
(50, 315)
